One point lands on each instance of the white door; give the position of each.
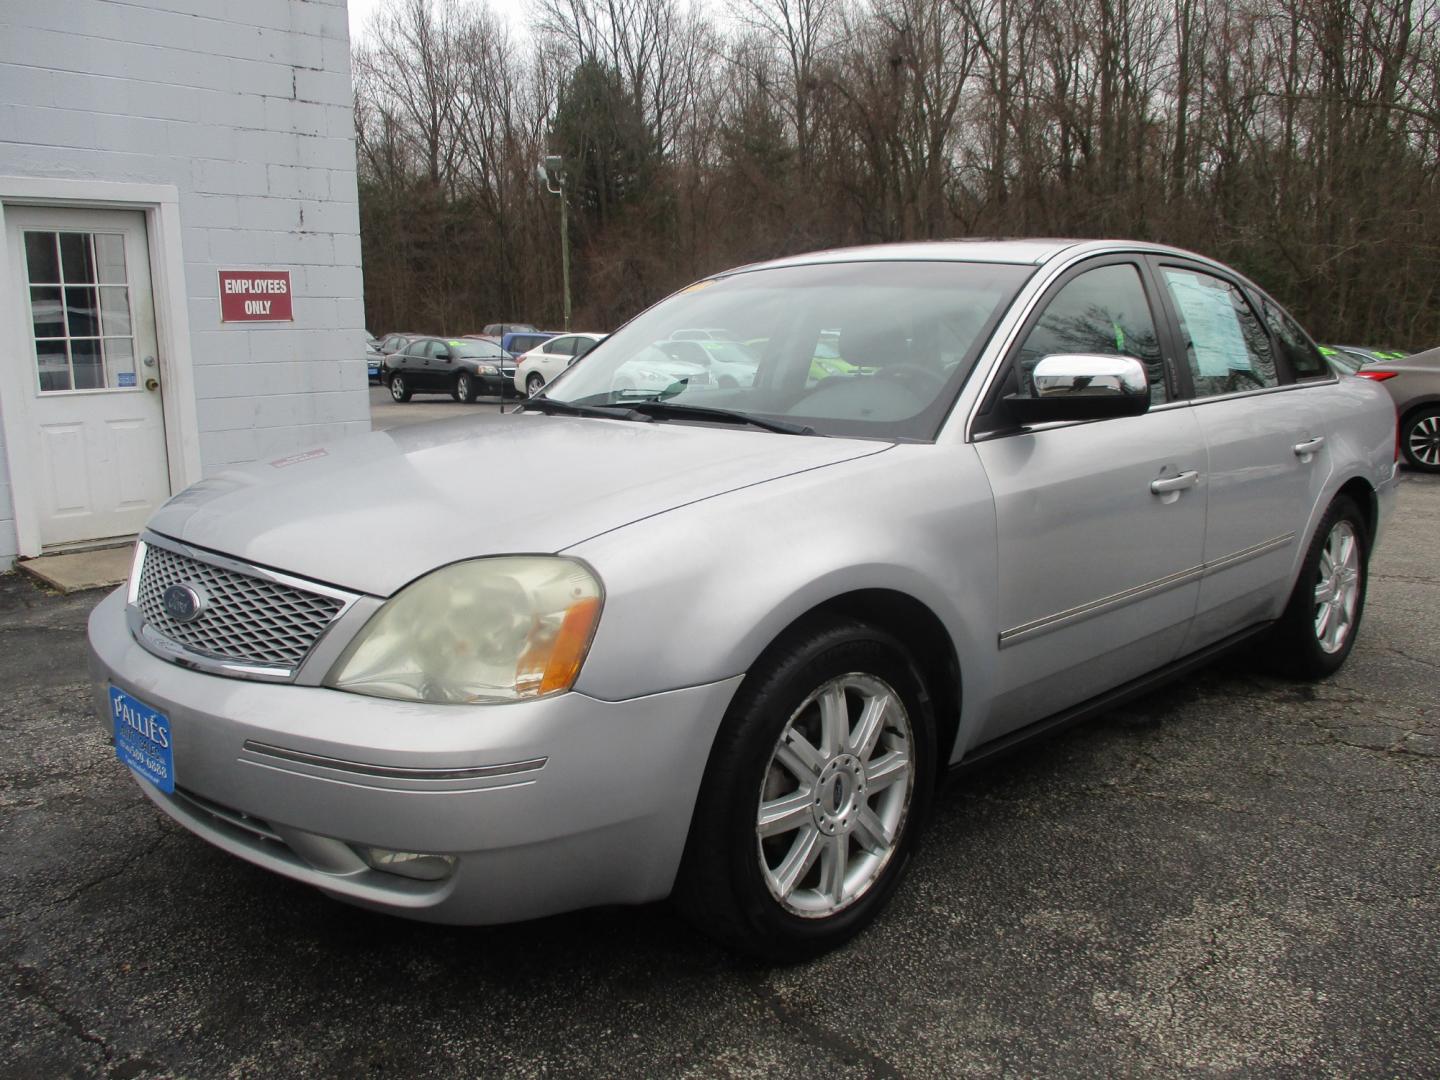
(89, 371)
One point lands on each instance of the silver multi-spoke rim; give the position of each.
(1424, 440)
(397, 387)
(534, 385)
(1337, 589)
(835, 794)
(463, 387)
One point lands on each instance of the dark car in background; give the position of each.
(464, 368)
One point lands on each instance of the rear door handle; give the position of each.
(1304, 448)
(1175, 483)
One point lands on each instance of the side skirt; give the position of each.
(1106, 702)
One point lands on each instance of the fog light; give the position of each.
(410, 864)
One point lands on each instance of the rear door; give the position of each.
(1100, 524)
(1265, 447)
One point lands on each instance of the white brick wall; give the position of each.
(247, 109)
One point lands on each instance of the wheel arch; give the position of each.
(1360, 491)
(918, 629)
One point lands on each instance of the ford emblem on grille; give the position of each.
(183, 603)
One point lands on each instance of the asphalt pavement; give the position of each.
(1235, 876)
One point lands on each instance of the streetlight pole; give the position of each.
(555, 166)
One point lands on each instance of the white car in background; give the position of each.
(538, 367)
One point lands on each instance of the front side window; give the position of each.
(1101, 312)
(1226, 347)
(870, 349)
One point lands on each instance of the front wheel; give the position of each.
(818, 782)
(464, 387)
(400, 387)
(1420, 439)
(1317, 630)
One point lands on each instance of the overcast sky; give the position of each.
(362, 13)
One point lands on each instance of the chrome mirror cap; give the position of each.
(1083, 386)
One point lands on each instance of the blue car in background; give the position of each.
(522, 341)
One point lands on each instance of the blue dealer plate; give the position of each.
(142, 739)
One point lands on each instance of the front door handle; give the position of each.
(1167, 484)
(1305, 449)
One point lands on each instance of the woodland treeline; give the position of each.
(1298, 140)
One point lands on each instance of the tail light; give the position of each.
(1378, 376)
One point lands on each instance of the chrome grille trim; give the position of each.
(258, 623)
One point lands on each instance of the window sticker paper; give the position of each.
(1213, 324)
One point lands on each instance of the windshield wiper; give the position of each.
(552, 407)
(664, 410)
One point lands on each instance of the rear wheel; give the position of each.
(464, 387)
(400, 387)
(1317, 630)
(818, 782)
(534, 383)
(1420, 438)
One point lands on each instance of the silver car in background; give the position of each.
(1413, 382)
(729, 647)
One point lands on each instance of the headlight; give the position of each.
(487, 369)
(487, 630)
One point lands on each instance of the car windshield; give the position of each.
(906, 334)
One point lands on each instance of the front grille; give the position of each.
(244, 618)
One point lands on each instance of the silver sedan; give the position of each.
(729, 647)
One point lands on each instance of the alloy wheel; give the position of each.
(1423, 440)
(835, 796)
(1337, 590)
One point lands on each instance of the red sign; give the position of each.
(255, 296)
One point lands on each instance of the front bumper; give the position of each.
(591, 804)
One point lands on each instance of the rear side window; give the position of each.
(1103, 311)
(1299, 351)
(1226, 347)
(564, 346)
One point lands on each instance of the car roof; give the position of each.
(1029, 251)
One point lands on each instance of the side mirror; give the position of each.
(1083, 386)
(442, 354)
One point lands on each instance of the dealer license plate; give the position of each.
(142, 739)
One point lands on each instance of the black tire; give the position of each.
(464, 389)
(400, 387)
(534, 383)
(722, 886)
(1420, 438)
(1298, 647)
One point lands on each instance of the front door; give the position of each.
(1100, 525)
(89, 370)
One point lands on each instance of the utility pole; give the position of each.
(554, 166)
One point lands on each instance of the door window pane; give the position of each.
(53, 363)
(47, 313)
(87, 364)
(115, 310)
(1104, 312)
(1226, 347)
(82, 312)
(82, 333)
(41, 258)
(119, 363)
(75, 257)
(110, 258)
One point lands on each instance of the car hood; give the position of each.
(374, 512)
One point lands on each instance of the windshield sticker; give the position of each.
(696, 287)
(1213, 325)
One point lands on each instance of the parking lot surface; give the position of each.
(1236, 875)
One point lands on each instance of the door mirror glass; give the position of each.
(1083, 386)
(442, 354)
